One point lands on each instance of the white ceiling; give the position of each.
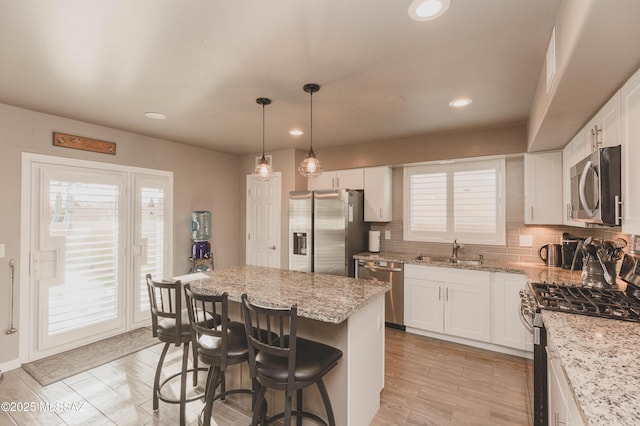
(204, 62)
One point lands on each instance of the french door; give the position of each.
(96, 230)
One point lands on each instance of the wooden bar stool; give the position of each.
(218, 342)
(170, 324)
(285, 362)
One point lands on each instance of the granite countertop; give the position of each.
(322, 297)
(600, 360)
(535, 272)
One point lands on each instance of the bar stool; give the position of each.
(170, 324)
(218, 342)
(287, 362)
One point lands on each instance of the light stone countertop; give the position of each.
(600, 360)
(600, 357)
(322, 297)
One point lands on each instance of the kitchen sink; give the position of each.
(433, 258)
(468, 262)
(443, 259)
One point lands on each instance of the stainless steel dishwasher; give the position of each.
(391, 272)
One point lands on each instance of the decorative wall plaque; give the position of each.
(85, 144)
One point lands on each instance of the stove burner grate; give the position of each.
(604, 303)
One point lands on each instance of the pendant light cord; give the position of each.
(311, 125)
(263, 132)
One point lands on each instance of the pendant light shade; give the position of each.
(263, 170)
(310, 166)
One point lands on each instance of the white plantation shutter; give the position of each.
(461, 201)
(429, 202)
(475, 201)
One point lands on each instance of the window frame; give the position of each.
(450, 168)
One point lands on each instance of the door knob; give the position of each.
(272, 247)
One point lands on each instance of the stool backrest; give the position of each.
(165, 302)
(272, 331)
(209, 318)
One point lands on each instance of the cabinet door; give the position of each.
(557, 402)
(350, 179)
(507, 327)
(630, 112)
(543, 188)
(605, 126)
(467, 311)
(423, 304)
(325, 181)
(377, 194)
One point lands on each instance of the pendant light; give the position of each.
(310, 166)
(263, 170)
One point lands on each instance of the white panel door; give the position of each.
(263, 221)
(78, 253)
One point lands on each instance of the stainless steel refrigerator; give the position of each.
(326, 228)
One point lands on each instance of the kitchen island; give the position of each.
(343, 312)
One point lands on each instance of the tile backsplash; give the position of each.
(512, 252)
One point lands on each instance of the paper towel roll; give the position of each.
(374, 241)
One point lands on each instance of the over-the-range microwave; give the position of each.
(596, 187)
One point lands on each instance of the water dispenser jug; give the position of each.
(200, 225)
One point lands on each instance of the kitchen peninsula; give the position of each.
(343, 312)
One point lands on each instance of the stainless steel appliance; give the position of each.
(599, 302)
(326, 228)
(390, 272)
(552, 254)
(595, 188)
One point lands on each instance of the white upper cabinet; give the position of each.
(604, 128)
(377, 194)
(630, 135)
(338, 179)
(543, 188)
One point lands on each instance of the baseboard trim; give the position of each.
(10, 365)
(473, 343)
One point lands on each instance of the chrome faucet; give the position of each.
(454, 253)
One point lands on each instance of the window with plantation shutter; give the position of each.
(462, 200)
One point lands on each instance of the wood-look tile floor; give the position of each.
(427, 382)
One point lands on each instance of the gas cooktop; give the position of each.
(598, 302)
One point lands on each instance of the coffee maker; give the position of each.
(569, 247)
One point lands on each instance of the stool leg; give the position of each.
(223, 386)
(210, 395)
(183, 382)
(257, 408)
(327, 402)
(299, 407)
(195, 365)
(156, 382)
(287, 408)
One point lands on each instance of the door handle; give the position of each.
(272, 248)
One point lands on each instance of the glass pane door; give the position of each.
(78, 263)
(151, 238)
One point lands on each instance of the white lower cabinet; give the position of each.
(450, 301)
(507, 327)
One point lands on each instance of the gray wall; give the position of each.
(203, 180)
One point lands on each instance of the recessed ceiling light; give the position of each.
(155, 115)
(460, 102)
(296, 132)
(425, 10)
